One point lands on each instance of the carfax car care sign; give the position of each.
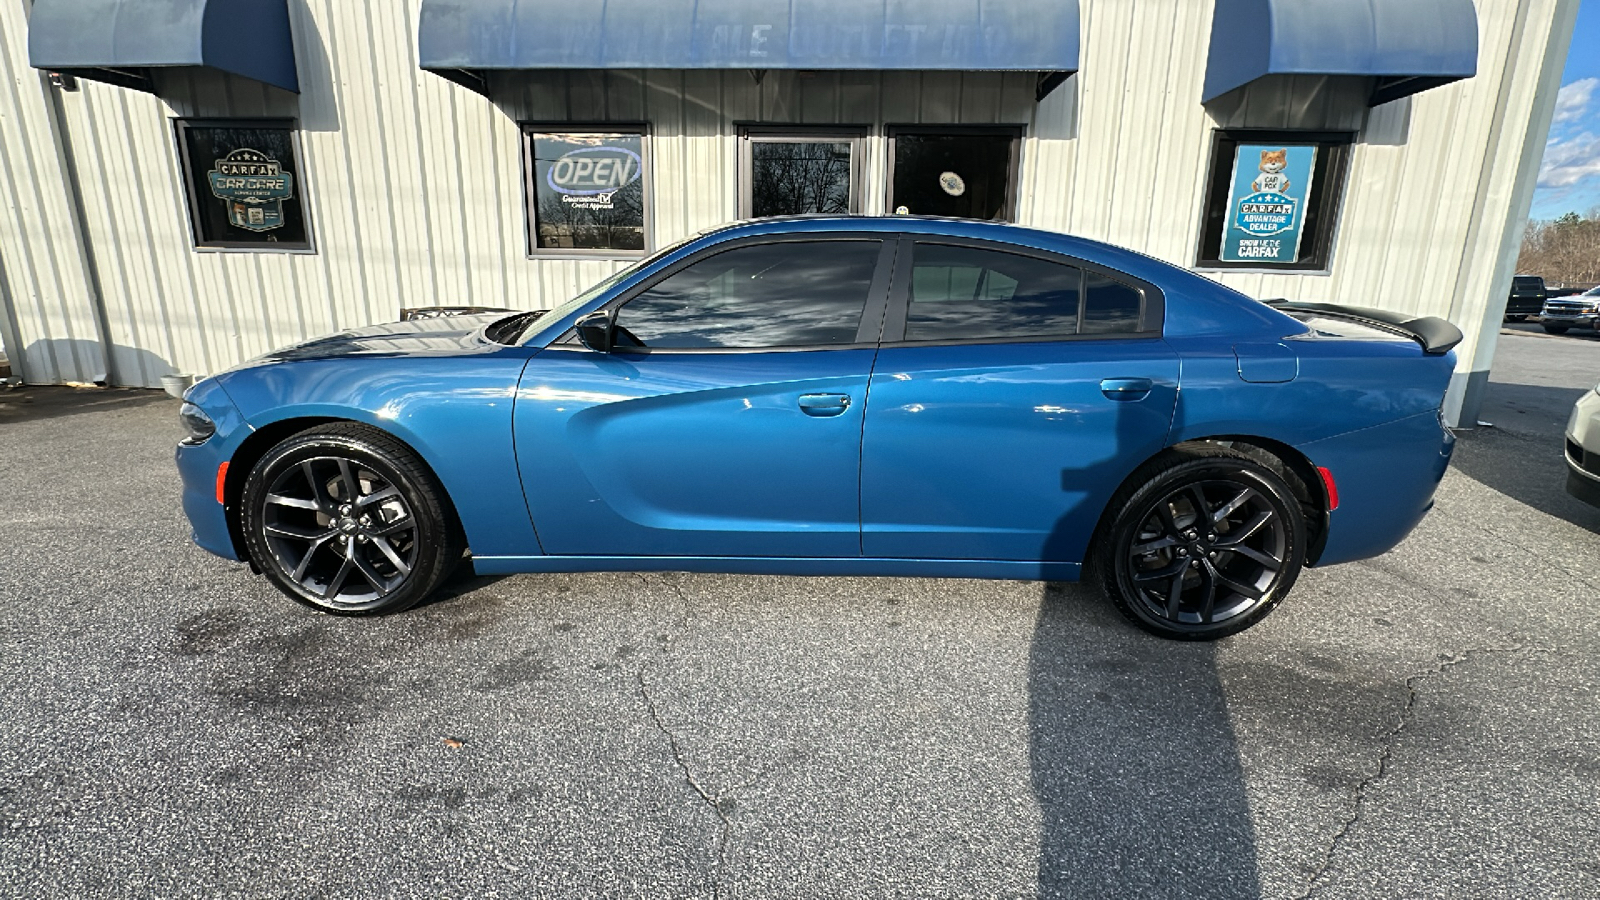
(1267, 205)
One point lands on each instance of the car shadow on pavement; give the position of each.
(1523, 456)
(34, 403)
(1134, 760)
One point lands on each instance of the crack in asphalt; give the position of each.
(714, 801)
(1444, 663)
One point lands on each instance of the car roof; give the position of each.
(1130, 261)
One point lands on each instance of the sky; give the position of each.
(1569, 179)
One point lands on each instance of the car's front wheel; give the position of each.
(1205, 542)
(1555, 329)
(1516, 318)
(348, 520)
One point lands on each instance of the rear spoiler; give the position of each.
(1436, 336)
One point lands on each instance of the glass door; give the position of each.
(963, 172)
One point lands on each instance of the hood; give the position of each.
(449, 336)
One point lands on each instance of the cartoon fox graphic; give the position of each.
(1272, 180)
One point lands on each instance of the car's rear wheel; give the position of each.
(348, 520)
(1555, 329)
(1205, 543)
(1516, 318)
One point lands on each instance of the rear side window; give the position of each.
(970, 293)
(1527, 284)
(787, 294)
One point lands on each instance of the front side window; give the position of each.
(243, 178)
(585, 191)
(1273, 200)
(796, 173)
(786, 294)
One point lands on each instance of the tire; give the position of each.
(1555, 329)
(1191, 583)
(383, 551)
(1518, 318)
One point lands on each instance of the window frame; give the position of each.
(1013, 162)
(872, 313)
(198, 243)
(751, 134)
(1335, 150)
(1152, 311)
(530, 188)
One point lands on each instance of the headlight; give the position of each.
(197, 423)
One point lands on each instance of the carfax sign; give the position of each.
(1267, 203)
(254, 187)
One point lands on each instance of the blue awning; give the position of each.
(1407, 45)
(460, 38)
(120, 40)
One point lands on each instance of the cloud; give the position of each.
(1572, 101)
(1567, 162)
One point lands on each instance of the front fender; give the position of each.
(455, 412)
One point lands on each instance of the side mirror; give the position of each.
(594, 331)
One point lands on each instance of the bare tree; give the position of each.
(1566, 251)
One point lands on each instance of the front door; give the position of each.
(1021, 391)
(727, 420)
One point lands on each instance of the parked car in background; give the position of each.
(1550, 292)
(1583, 448)
(1564, 313)
(840, 396)
(1527, 297)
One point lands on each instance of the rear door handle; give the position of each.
(823, 405)
(1126, 389)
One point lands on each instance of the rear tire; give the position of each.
(1205, 543)
(346, 519)
(1518, 318)
(1555, 329)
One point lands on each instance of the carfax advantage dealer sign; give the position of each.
(1267, 203)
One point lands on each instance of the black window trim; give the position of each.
(1014, 161)
(1329, 211)
(1152, 307)
(530, 217)
(751, 133)
(181, 125)
(867, 331)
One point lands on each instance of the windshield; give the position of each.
(612, 281)
(1592, 292)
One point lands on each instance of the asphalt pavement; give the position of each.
(1418, 725)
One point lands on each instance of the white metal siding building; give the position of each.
(413, 189)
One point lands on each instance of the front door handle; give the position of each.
(1126, 389)
(823, 405)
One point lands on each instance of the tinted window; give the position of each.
(793, 294)
(586, 190)
(966, 175)
(1110, 307)
(244, 184)
(963, 293)
(792, 178)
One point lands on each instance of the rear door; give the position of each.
(1014, 391)
(728, 420)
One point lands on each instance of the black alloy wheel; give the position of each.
(346, 519)
(1206, 546)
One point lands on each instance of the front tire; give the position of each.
(1205, 543)
(1555, 329)
(346, 519)
(1516, 318)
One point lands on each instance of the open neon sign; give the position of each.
(594, 170)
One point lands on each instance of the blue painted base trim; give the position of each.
(1005, 570)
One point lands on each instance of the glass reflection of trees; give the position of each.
(788, 294)
(798, 177)
(965, 293)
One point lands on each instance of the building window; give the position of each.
(244, 182)
(951, 171)
(586, 190)
(1272, 202)
(795, 172)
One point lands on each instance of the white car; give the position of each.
(1562, 313)
(1583, 449)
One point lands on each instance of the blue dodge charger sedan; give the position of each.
(839, 396)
